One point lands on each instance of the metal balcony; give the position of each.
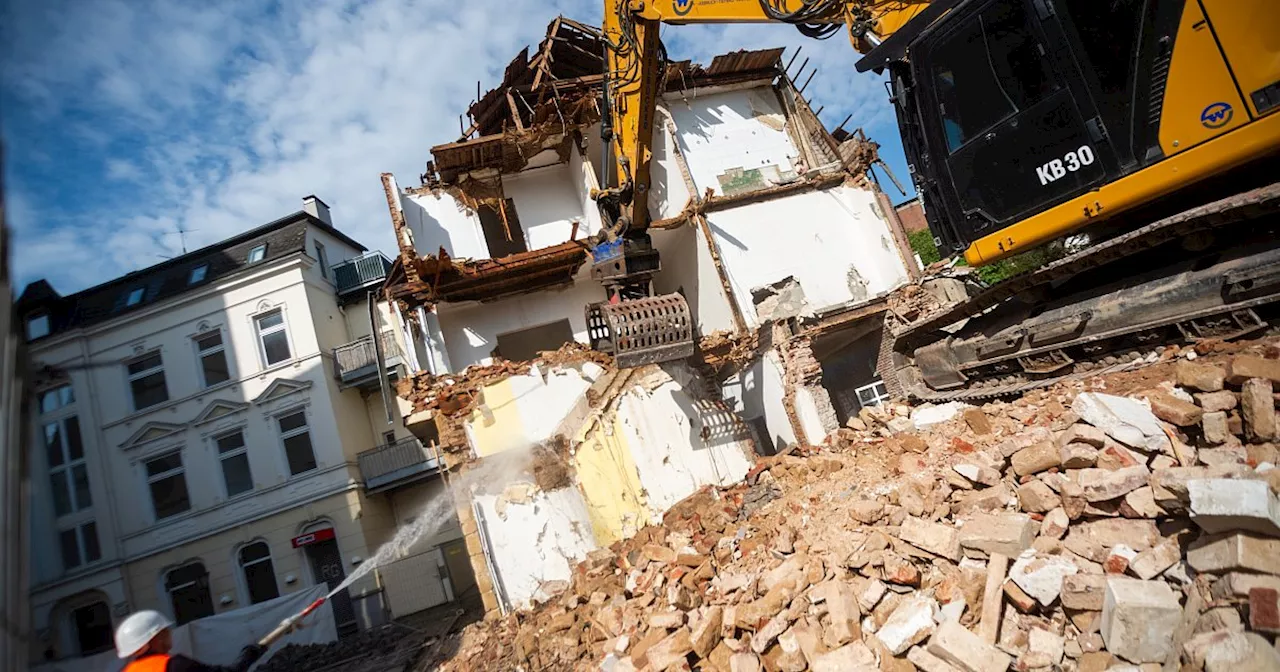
(354, 277)
(394, 464)
(355, 364)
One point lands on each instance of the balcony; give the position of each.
(354, 277)
(355, 364)
(395, 464)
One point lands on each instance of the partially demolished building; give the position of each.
(765, 222)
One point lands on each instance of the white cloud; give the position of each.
(237, 115)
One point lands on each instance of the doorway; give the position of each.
(326, 567)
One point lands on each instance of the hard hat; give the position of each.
(139, 629)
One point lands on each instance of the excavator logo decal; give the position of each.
(682, 7)
(1216, 115)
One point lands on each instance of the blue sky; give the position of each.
(125, 120)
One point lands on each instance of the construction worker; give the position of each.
(145, 638)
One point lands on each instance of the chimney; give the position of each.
(312, 205)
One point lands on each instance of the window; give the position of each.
(258, 253)
(135, 296)
(322, 259)
(523, 345)
(168, 485)
(388, 438)
(188, 588)
(872, 395)
(274, 339)
(259, 574)
(37, 327)
(58, 397)
(68, 475)
(990, 68)
(213, 358)
(297, 442)
(146, 381)
(502, 232)
(92, 623)
(80, 545)
(234, 457)
(198, 274)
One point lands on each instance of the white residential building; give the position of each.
(199, 432)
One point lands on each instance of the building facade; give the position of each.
(198, 430)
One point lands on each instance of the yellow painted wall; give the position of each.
(495, 425)
(609, 482)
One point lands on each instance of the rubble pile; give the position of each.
(1073, 528)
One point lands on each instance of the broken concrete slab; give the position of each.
(1126, 420)
(1006, 533)
(966, 651)
(1259, 409)
(911, 622)
(1219, 505)
(1041, 575)
(935, 538)
(928, 415)
(1139, 619)
(1235, 551)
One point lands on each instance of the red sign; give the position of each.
(313, 537)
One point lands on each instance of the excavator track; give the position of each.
(921, 359)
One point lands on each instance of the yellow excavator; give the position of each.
(1145, 131)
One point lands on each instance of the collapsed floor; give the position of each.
(1085, 531)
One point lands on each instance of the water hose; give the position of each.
(289, 624)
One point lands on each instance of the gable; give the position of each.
(281, 387)
(152, 431)
(217, 409)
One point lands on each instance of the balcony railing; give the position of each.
(356, 362)
(396, 463)
(362, 272)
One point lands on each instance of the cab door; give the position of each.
(1000, 103)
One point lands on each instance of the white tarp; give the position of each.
(218, 639)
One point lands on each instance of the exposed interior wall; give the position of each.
(687, 268)
(756, 394)
(437, 220)
(547, 204)
(610, 481)
(519, 412)
(668, 192)
(720, 132)
(847, 367)
(470, 330)
(680, 442)
(583, 176)
(537, 541)
(833, 242)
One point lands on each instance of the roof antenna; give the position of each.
(182, 234)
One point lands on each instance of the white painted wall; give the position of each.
(437, 220)
(471, 330)
(529, 407)
(538, 541)
(687, 268)
(664, 427)
(547, 203)
(738, 129)
(816, 237)
(583, 176)
(668, 192)
(757, 391)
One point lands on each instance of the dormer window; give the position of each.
(135, 296)
(37, 327)
(258, 253)
(198, 273)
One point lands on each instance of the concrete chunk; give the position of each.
(1055, 524)
(1219, 505)
(854, 657)
(1084, 592)
(1244, 367)
(1085, 433)
(1041, 576)
(1259, 409)
(1172, 409)
(669, 650)
(1242, 652)
(1004, 533)
(936, 538)
(1037, 497)
(1153, 561)
(1213, 402)
(1238, 584)
(1214, 426)
(1077, 455)
(910, 623)
(1100, 485)
(1139, 619)
(1036, 458)
(1236, 551)
(1126, 420)
(966, 651)
(1095, 539)
(1200, 376)
(922, 659)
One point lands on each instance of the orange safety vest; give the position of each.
(152, 663)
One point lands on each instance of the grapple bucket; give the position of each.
(642, 331)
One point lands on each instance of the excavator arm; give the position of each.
(635, 62)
